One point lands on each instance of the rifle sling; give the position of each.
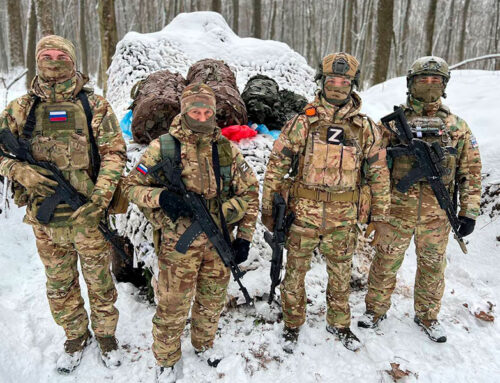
(188, 237)
(30, 124)
(95, 158)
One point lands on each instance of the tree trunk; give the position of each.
(384, 37)
(83, 38)
(44, 16)
(236, 16)
(463, 32)
(109, 36)
(217, 6)
(367, 44)
(257, 22)
(31, 44)
(272, 33)
(497, 34)
(349, 27)
(16, 54)
(342, 28)
(429, 28)
(449, 34)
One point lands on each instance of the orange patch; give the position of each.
(311, 111)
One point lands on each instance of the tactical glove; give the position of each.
(466, 226)
(380, 229)
(29, 176)
(241, 247)
(89, 214)
(174, 206)
(234, 210)
(267, 220)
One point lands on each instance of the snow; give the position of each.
(250, 339)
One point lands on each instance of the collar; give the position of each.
(184, 134)
(423, 108)
(58, 92)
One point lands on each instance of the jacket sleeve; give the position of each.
(138, 187)
(287, 147)
(376, 170)
(13, 118)
(112, 150)
(469, 173)
(246, 189)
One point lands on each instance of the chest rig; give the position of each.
(61, 133)
(329, 166)
(431, 130)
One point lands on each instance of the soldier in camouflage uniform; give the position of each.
(199, 272)
(417, 212)
(330, 163)
(61, 135)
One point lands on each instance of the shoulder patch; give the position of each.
(473, 141)
(310, 111)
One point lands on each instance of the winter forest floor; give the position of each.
(251, 340)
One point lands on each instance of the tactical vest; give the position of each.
(428, 129)
(329, 167)
(61, 135)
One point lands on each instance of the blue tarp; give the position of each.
(126, 125)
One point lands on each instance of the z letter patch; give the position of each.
(335, 135)
(142, 169)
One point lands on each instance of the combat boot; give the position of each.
(290, 336)
(432, 328)
(210, 356)
(168, 374)
(110, 353)
(72, 355)
(346, 336)
(370, 320)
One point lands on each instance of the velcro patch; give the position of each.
(58, 116)
(142, 169)
(473, 141)
(335, 135)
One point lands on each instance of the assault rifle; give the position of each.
(202, 221)
(276, 241)
(19, 149)
(428, 165)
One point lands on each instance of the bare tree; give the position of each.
(348, 27)
(463, 32)
(429, 27)
(236, 16)
(384, 37)
(497, 34)
(217, 6)
(44, 16)
(257, 21)
(31, 44)
(16, 54)
(83, 37)
(109, 37)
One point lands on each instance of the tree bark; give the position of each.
(236, 16)
(16, 53)
(257, 22)
(497, 34)
(83, 37)
(31, 44)
(348, 27)
(463, 32)
(272, 33)
(384, 37)
(429, 28)
(217, 6)
(108, 35)
(44, 16)
(449, 34)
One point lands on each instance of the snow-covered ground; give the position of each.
(250, 340)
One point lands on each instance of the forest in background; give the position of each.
(385, 35)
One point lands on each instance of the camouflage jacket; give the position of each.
(198, 176)
(462, 160)
(105, 127)
(336, 151)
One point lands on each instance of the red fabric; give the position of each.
(238, 132)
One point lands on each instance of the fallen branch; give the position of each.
(485, 57)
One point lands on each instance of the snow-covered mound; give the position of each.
(194, 36)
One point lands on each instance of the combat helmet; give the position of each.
(339, 63)
(428, 65)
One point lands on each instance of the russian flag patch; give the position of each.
(58, 115)
(142, 169)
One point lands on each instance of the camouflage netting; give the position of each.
(217, 74)
(268, 105)
(156, 103)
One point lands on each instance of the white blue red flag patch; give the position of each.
(142, 169)
(59, 115)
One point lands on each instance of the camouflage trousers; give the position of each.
(59, 250)
(431, 238)
(199, 273)
(337, 247)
